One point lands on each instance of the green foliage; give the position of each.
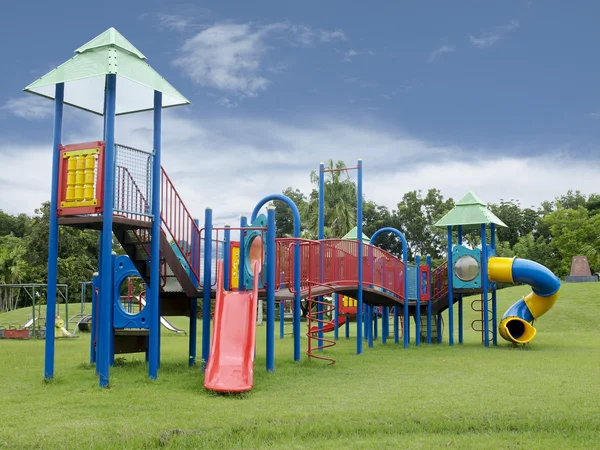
(284, 217)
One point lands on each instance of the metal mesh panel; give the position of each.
(133, 182)
(412, 282)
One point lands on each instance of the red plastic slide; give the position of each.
(329, 326)
(230, 365)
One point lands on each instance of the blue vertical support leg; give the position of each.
(207, 286)
(347, 327)
(460, 297)
(270, 289)
(450, 293)
(94, 333)
(484, 285)
(375, 323)
(385, 324)
(106, 288)
(193, 337)
(369, 323)
(359, 303)
(321, 236)
(154, 298)
(429, 303)
(53, 241)
(494, 309)
(418, 303)
(336, 315)
(227, 258)
(242, 262)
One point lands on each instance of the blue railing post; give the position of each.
(450, 293)
(385, 324)
(485, 293)
(271, 288)
(418, 303)
(53, 240)
(359, 220)
(241, 265)
(336, 315)
(194, 301)
(227, 258)
(494, 310)
(94, 325)
(207, 286)
(429, 302)
(460, 297)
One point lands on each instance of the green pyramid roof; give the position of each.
(84, 77)
(469, 211)
(353, 233)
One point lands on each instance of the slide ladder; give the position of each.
(316, 343)
(478, 324)
(230, 365)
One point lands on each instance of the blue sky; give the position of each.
(500, 97)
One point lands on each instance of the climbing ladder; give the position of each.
(478, 324)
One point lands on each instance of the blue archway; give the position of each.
(288, 201)
(405, 260)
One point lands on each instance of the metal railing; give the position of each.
(133, 183)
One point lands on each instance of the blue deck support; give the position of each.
(375, 323)
(94, 334)
(450, 294)
(271, 288)
(321, 236)
(336, 315)
(418, 303)
(206, 286)
(369, 323)
(385, 324)
(429, 302)
(405, 276)
(106, 288)
(297, 295)
(359, 300)
(484, 285)
(243, 224)
(227, 257)
(494, 308)
(460, 297)
(53, 241)
(347, 327)
(194, 301)
(111, 345)
(153, 300)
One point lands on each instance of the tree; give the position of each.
(284, 217)
(571, 231)
(12, 267)
(416, 216)
(519, 222)
(340, 202)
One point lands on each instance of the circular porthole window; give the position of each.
(466, 268)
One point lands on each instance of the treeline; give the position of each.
(551, 233)
(24, 254)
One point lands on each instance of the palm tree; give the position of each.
(340, 201)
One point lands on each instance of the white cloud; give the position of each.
(29, 107)
(440, 51)
(350, 54)
(231, 163)
(174, 21)
(594, 115)
(228, 56)
(490, 38)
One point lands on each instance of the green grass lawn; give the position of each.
(543, 396)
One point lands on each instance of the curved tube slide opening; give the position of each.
(515, 325)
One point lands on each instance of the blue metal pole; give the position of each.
(429, 303)
(336, 315)
(194, 301)
(106, 288)
(450, 293)
(322, 248)
(53, 241)
(227, 258)
(347, 327)
(484, 283)
(375, 323)
(494, 310)
(243, 224)
(154, 298)
(111, 345)
(207, 285)
(385, 324)
(396, 324)
(366, 322)
(369, 323)
(94, 334)
(270, 288)
(418, 303)
(460, 297)
(359, 220)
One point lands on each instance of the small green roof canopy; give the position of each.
(353, 233)
(84, 77)
(469, 211)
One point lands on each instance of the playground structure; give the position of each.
(125, 192)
